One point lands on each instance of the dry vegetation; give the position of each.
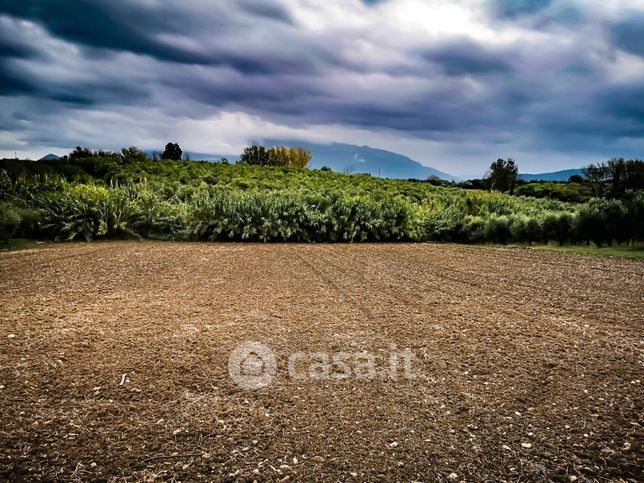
(533, 358)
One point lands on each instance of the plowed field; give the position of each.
(114, 363)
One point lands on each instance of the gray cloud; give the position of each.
(463, 56)
(495, 77)
(628, 34)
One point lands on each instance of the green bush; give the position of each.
(131, 196)
(497, 230)
(557, 227)
(276, 217)
(88, 212)
(10, 220)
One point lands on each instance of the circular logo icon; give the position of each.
(252, 365)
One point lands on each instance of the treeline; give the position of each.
(114, 197)
(614, 179)
(294, 157)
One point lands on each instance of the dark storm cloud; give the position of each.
(10, 48)
(88, 93)
(530, 73)
(628, 34)
(625, 105)
(112, 25)
(267, 10)
(140, 28)
(465, 57)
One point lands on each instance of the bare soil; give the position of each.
(531, 363)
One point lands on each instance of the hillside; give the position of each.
(365, 159)
(563, 175)
(49, 157)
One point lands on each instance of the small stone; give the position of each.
(506, 447)
(295, 460)
(572, 478)
(1, 387)
(626, 446)
(206, 456)
(526, 445)
(517, 413)
(354, 474)
(93, 465)
(452, 476)
(318, 459)
(607, 451)
(11, 336)
(394, 444)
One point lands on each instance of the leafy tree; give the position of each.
(255, 155)
(299, 157)
(172, 151)
(597, 176)
(133, 154)
(634, 175)
(503, 175)
(80, 153)
(615, 177)
(85, 153)
(279, 156)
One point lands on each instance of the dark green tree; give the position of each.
(133, 154)
(597, 176)
(172, 151)
(634, 175)
(255, 155)
(80, 153)
(503, 175)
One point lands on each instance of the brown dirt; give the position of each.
(518, 346)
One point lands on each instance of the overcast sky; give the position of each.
(453, 84)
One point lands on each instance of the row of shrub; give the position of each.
(57, 209)
(185, 177)
(602, 222)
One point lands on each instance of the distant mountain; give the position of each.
(364, 159)
(49, 157)
(347, 158)
(554, 176)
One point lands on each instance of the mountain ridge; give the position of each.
(562, 175)
(352, 158)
